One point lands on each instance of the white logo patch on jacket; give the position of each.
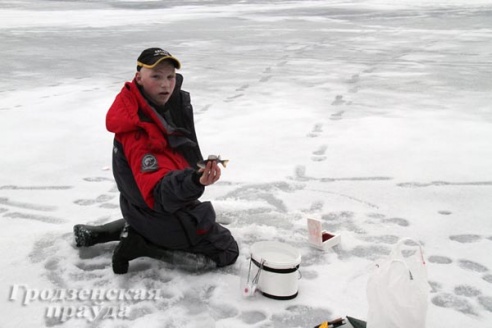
(149, 163)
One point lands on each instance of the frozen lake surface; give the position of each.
(373, 116)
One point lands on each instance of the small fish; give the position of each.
(203, 163)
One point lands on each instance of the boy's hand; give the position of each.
(210, 174)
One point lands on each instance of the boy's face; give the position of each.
(157, 83)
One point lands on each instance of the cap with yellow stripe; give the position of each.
(150, 58)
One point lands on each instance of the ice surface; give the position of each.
(373, 116)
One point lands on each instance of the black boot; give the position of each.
(87, 235)
(132, 245)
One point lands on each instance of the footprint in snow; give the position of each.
(337, 116)
(301, 316)
(466, 238)
(487, 278)
(460, 304)
(338, 101)
(98, 200)
(98, 179)
(252, 317)
(467, 291)
(472, 266)
(316, 131)
(398, 221)
(34, 217)
(438, 259)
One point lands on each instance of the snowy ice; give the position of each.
(373, 116)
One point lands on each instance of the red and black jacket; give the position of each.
(154, 160)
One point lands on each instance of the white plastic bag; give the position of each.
(398, 290)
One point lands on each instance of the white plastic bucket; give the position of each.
(278, 264)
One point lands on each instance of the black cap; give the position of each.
(150, 58)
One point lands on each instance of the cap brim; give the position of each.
(176, 62)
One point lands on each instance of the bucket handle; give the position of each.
(256, 278)
(300, 274)
(252, 282)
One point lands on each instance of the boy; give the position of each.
(154, 156)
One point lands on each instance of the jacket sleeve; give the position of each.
(166, 183)
(177, 189)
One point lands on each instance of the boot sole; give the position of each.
(83, 237)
